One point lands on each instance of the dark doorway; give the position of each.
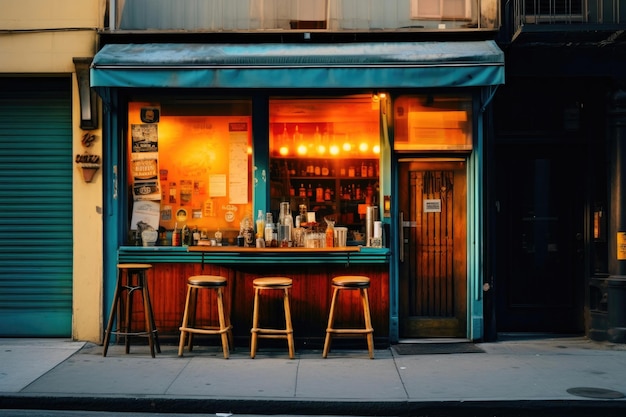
(540, 224)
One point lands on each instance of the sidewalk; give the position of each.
(513, 376)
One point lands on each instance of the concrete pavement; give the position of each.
(517, 377)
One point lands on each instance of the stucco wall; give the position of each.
(42, 37)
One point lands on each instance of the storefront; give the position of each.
(202, 140)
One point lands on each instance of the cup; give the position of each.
(149, 237)
(341, 237)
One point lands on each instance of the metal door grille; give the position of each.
(36, 207)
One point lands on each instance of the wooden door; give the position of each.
(433, 277)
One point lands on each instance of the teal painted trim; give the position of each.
(169, 254)
(112, 171)
(389, 186)
(475, 232)
(261, 155)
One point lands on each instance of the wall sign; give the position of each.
(88, 163)
(432, 206)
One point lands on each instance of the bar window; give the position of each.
(324, 158)
(189, 170)
(433, 122)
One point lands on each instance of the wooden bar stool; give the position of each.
(272, 283)
(122, 308)
(189, 328)
(350, 282)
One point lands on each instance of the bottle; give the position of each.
(317, 137)
(289, 223)
(319, 193)
(302, 191)
(184, 235)
(364, 169)
(286, 219)
(195, 236)
(369, 194)
(298, 230)
(247, 231)
(285, 137)
(325, 170)
(260, 225)
(175, 236)
(330, 236)
(297, 137)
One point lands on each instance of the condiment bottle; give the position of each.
(260, 225)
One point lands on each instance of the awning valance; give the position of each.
(353, 65)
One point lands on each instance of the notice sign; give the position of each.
(621, 246)
(432, 206)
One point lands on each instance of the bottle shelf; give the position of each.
(343, 190)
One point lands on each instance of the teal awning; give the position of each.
(352, 65)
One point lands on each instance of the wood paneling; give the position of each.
(310, 298)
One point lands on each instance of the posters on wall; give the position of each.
(238, 163)
(144, 167)
(144, 162)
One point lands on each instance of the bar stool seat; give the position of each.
(350, 282)
(272, 283)
(122, 308)
(188, 327)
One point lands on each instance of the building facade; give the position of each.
(484, 127)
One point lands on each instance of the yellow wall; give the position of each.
(41, 37)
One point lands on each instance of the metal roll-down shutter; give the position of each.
(35, 207)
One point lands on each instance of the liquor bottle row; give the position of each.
(351, 168)
(327, 193)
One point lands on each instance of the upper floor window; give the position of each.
(323, 15)
(441, 9)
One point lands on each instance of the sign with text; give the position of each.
(432, 206)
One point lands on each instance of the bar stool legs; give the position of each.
(122, 308)
(188, 327)
(350, 282)
(272, 283)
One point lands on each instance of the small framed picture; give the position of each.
(150, 114)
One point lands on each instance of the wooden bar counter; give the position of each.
(310, 269)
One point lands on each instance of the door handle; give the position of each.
(401, 235)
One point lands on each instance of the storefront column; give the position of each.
(616, 287)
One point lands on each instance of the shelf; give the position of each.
(316, 178)
(343, 180)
